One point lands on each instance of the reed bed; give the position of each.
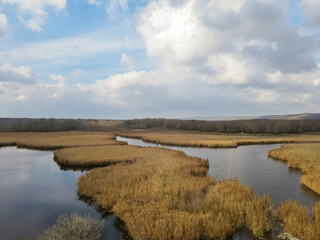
(56, 140)
(297, 220)
(211, 140)
(97, 155)
(165, 194)
(306, 158)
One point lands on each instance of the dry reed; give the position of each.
(166, 194)
(56, 140)
(211, 140)
(298, 222)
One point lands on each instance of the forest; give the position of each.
(254, 126)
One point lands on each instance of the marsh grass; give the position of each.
(96, 155)
(166, 194)
(56, 140)
(297, 220)
(74, 227)
(211, 140)
(306, 158)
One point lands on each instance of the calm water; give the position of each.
(34, 192)
(252, 167)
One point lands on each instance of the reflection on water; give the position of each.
(34, 192)
(252, 167)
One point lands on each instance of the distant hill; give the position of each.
(299, 116)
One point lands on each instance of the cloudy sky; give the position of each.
(158, 58)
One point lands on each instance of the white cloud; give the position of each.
(112, 90)
(116, 4)
(127, 60)
(4, 26)
(228, 69)
(311, 8)
(94, 2)
(21, 98)
(316, 82)
(275, 77)
(35, 10)
(21, 74)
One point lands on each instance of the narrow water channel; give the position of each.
(252, 167)
(34, 192)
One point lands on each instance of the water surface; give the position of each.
(252, 167)
(34, 192)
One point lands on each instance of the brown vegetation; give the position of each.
(165, 194)
(306, 158)
(96, 155)
(56, 140)
(211, 140)
(298, 222)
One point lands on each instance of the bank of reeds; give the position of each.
(56, 140)
(297, 220)
(211, 140)
(306, 158)
(166, 194)
(97, 156)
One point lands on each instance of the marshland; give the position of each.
(173, 185)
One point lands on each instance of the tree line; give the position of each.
(264, 126)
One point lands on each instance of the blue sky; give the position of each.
(163, 58)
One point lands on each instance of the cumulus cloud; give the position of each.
(247, 46)
(22, 74)
(311, 8)
(35, 11)
(127, 60)
(215, 57)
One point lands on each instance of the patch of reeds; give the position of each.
(211, 140)
(306, 158)
(165, 194)
(297, 220)
(56, 140)
(96, 155)
(74, 227)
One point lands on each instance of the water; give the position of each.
(34, 192)
(252, 167)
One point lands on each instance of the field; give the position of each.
(165, 194)
(210, 140)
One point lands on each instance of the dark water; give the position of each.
(34, 192)
(252, 167)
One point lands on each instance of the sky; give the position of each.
(120, 59)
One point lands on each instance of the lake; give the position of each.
(34, 192)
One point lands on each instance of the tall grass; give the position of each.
(166, 194)
(297, 220)
(56, 140)
(212, 140)
(74, 227)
